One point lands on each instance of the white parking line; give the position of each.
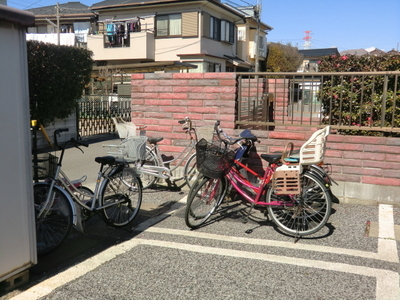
(387, 282)
(387, 246)
(387, 286)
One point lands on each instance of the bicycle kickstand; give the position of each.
(245, 219)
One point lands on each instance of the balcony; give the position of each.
(139, 45)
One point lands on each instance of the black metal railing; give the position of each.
(348, 101)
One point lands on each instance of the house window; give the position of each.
(215, 28)
(169, 25)
(227, 32)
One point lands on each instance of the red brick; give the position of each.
(381, 164)
(174, 109)
(188, 103)
(346, 178)
(187, 89)
(220, 75)
(157, 102)
(174, 82)
(204, 110)
(158, 89)
(203, 96)
(204, 82)
(229, 82)
(172, 96)
(346, 147)
(136, 76)
(364, 155)
(286, 135)
(137, 89)
(381, 180)
(188, 75)
(382, 149)
(391, 173)
(219, 89)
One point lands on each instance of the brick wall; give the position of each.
(366, 168)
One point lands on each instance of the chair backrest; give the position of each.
(124, 129)
(313, 151)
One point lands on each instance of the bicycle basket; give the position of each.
(45, 166)
(135, 147)
(213, 161)
(286, 180)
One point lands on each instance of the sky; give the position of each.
(344, 24)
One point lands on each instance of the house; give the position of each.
(74, 20)
(174, 36)
(307, 87)
(312, 56)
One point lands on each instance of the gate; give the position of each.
(94, 113)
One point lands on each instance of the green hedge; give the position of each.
(57, 77)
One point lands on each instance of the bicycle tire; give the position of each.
(204, 197)
(122, 184)
(55, 223)
(150, 160)
(311, 209)
(190, 170)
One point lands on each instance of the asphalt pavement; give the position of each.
(355, 256)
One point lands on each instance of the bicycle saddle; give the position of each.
(155, 140)
(271, 158)
(105, 160)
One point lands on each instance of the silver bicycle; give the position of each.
(156, 165)
(61, 203)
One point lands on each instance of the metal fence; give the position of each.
(358, 101)
(95, 113)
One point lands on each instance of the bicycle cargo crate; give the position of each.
(45, 166)
(286, 180)
(213, 161)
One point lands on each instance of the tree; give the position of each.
(283, 58)
(57, 77)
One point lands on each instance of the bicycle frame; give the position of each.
(163, 171)
(236, 179)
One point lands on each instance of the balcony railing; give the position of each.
(349, 102)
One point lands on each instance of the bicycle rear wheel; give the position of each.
(190, 170)
(55, 222)
(150, 161)
(122, 192)
(302, 214)
(204, 197)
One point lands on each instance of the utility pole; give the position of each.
(257, 38)
(58, 22)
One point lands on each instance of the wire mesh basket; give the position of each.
(213, 161)
(133, 148)
(44, 166)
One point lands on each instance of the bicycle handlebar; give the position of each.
(231, 140)
(71, 141)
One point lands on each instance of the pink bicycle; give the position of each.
(294, 194)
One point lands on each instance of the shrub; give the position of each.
(357, 100)
(57, 77)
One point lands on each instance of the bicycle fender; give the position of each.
(71, 202)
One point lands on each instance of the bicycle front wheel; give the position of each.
(206, 196)
(122, 196)
(302, 214)
(190, 170)
(53, 219)
(151, 160)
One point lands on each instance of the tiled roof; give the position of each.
(319, 52)
(354, 52)
(70, 8)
